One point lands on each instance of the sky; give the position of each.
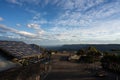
(58, 22)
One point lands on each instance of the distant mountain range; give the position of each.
(74, 47)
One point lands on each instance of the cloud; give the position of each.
(24, 2)
(105, 11)
(37, 28)
(26, 34)
(33, 25)
(77, 21)
(84, 20)
(18, 25)
(14, 2)
(95, 11)
(31, 10)
(14, 31)
(1, 19)
(37, 16)
(79, 5)
(98, 31)
(39, 33)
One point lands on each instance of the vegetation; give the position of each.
(89, 55)
(111, 62)
(81, 52)
(86, 59)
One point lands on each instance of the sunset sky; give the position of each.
(57, 22)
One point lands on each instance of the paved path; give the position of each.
(64, 70)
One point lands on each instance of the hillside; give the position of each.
(73, 47)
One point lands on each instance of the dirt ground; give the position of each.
(65, 70)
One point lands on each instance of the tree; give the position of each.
(81, 52)
(94, 53)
